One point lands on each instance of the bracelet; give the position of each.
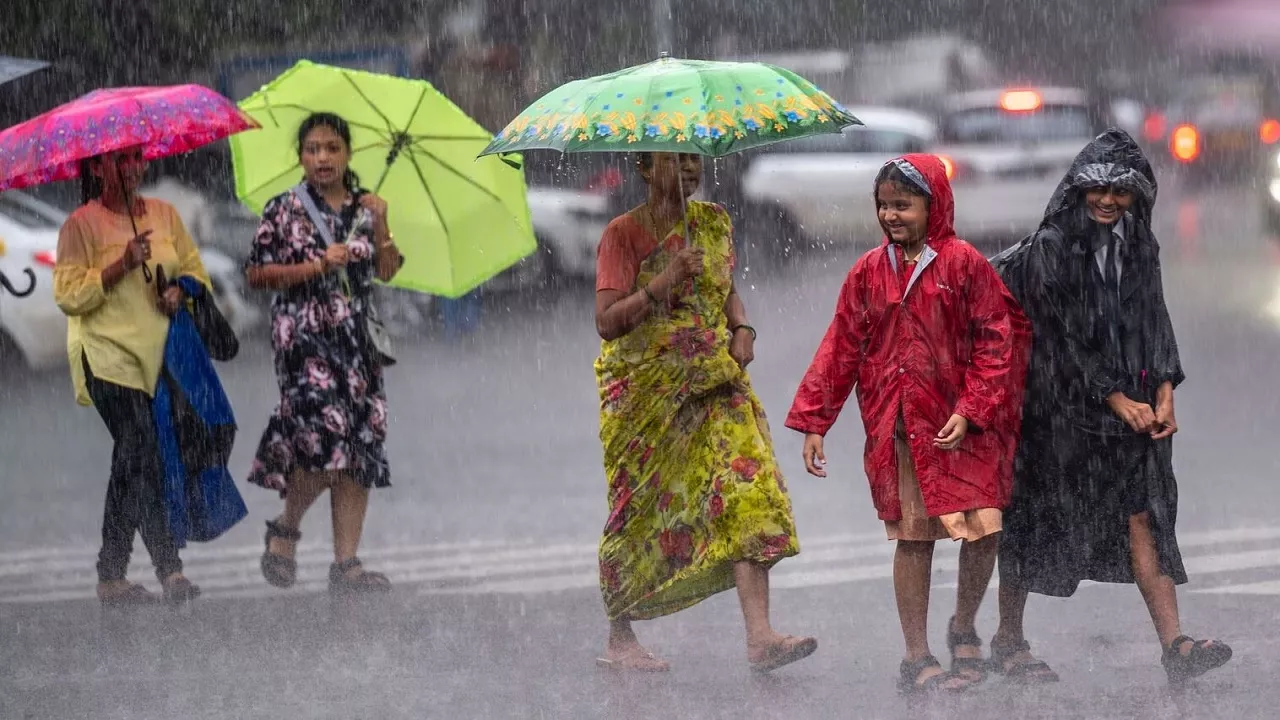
(653, 300)
(746, 327)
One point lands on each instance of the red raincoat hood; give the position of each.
(942, 204)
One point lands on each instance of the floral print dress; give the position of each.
(693, 482)
(332, 414)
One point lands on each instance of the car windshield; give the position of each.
(28, 215)
(996, 125)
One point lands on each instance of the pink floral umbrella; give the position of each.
(162, 120)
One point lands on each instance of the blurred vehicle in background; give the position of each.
(1271, 192)
(33, 331)
(1218, 124)
(824, 183)
(32, 328)
(1005, 150)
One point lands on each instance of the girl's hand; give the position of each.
(952, 433)
(815, 461)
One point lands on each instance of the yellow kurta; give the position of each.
(120, 332)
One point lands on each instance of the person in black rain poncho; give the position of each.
(1094, 492)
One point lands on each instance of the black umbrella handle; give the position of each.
(31, 284)
(128, 207)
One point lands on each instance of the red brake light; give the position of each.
(949, 166)
(1269, 133)
(47, 258)
(1185, 143)
(1153, 126)
(1021, 100)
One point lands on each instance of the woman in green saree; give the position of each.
(696, 502)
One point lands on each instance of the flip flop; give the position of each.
(646, 663)
(790, 650)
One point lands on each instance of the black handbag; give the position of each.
(219, 339)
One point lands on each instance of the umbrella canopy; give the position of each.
(673, 105)
(458, 221)
(162, 120)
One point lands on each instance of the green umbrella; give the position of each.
(458, 221)
(671, 105)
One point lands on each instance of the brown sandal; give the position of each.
(127, 595)
(789, 650)
(341, 580)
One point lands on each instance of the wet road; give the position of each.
(490, 529)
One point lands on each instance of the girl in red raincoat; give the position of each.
(937, 348)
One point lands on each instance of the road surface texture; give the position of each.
(489, 535)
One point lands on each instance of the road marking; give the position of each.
(484, 567)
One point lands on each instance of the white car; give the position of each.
(33, 330)
(568, 225)
(824, 183)
(1006, 151)
(33, 327)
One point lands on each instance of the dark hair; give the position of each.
(90, 184)
(644, 160)
(891, 173)
(335, 123)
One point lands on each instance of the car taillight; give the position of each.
(1153, 126)
(948, 166)
(1021, 100)
(1185, 143)
(47, 258)
(1269, 131)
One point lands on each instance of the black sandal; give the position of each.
(279, 570)
(340, 579)
(970, 668)
(1205, 655)
(1033, 671)
(909, 674)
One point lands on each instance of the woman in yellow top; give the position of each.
(116, 331)
(697, 503)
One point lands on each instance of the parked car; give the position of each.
(824, 183)
(33, 329)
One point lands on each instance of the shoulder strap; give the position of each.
(304, 195)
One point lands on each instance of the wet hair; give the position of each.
(891, 173)
(644, 160)
(90, 184)
(334, 122)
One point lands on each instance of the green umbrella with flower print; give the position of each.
(673, 105)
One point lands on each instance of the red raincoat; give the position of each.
(956, 343)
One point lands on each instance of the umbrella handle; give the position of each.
(128, 207)
(31, 286)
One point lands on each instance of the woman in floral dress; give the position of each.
(696, 502)
(329, 428)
